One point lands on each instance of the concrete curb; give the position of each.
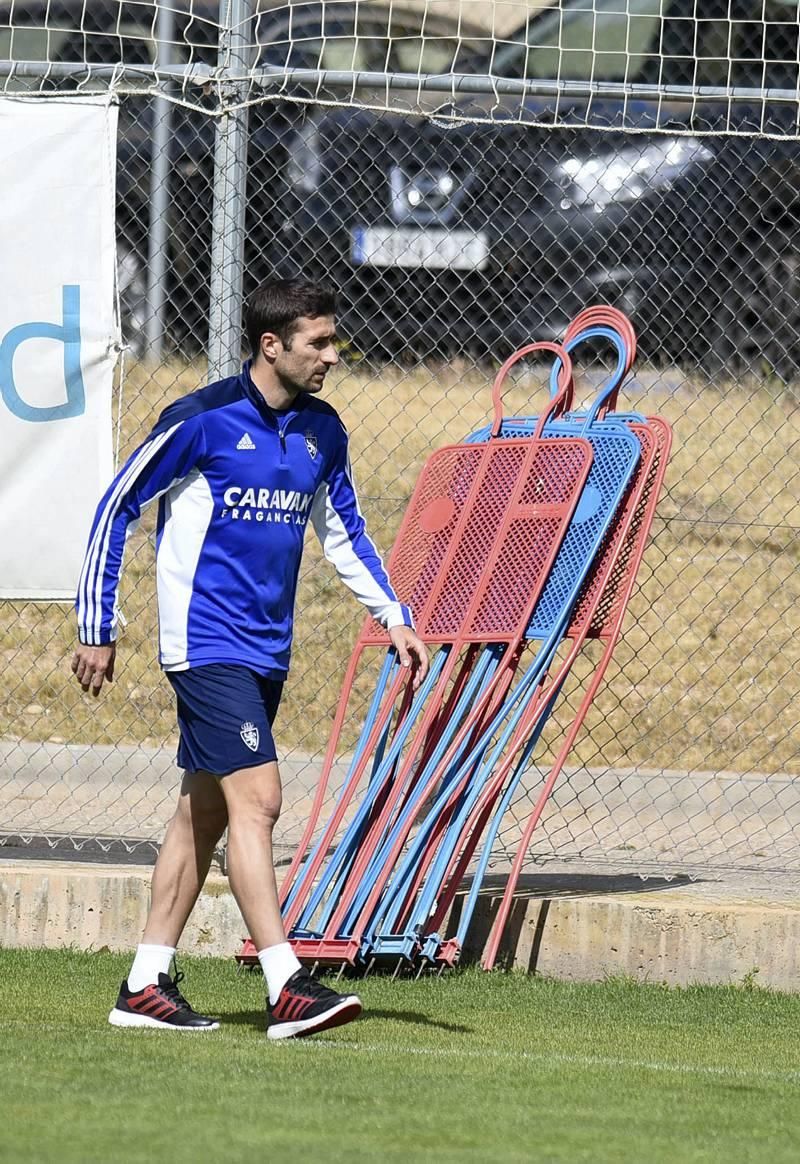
(576, 926)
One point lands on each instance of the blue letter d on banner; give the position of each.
(69, 334)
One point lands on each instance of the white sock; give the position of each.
(150, 961)
(278, 964)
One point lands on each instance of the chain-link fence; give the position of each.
(455, 234)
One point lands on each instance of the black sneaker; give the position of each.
(305, 1006)
(159, 1005)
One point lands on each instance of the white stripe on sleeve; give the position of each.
(90, 610)
(338, 550)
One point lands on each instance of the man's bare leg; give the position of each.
(253, 800)
(185, 857)
(298, 1003)
(145, 999)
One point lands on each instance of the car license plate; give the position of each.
(430, 247)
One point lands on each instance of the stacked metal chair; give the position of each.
(519, 546)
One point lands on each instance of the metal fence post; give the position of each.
(230, 188)
(158, 226)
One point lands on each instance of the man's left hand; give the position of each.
(411, 651)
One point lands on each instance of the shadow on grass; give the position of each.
(411, 1016)
(256, 1019)
(244, 1018)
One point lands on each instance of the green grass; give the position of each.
(469, 1067)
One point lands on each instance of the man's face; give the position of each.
(303, 365)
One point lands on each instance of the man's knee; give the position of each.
(253, 796)
(262, 810)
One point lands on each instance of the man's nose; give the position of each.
(331, 356)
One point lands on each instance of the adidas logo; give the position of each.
(246, 442)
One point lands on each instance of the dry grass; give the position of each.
(708, 673)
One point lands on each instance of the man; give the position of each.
(239, 467)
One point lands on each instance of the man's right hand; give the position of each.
(91, 665)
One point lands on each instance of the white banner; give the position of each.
(58, 336)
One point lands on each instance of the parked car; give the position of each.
(353, 34)
(358, 35)
(478, 236)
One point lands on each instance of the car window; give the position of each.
(752, 43)
(348, 38)
(305, 37)
(765, 46)
(131, 44)
(333, 51)
(31, 44)
(100, 35)
(601, 40)
(429, 54)
(748, 43)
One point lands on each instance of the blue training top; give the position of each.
(237, 484)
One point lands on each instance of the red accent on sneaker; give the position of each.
(299, 1007)
(288, 1008)
(291, 1006)
(152, 1002)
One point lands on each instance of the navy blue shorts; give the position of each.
(225, 715)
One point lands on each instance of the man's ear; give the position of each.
(270, 346)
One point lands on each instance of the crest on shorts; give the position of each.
(311, 443)
(249, 733)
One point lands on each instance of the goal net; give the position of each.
(737, 62)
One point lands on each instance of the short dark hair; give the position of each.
(277, 304)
